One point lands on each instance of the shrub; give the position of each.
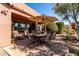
(68, 30)
(52, 27)
(60, 27)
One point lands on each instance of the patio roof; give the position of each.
(43, 19)
(23, 12)
(24, 9)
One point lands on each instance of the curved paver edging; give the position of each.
(3, 53)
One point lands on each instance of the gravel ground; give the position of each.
(38, 49)
(55, 47)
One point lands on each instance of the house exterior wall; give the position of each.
(5, 26)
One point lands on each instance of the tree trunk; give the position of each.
(77, 33)
(77, 27)
(75, 19)
(53, 35)
(69, 21)
(50, 36)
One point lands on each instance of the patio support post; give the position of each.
(45, 28)
(26, 32)
(25, 29)
(36, 26)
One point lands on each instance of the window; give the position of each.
(20, 26)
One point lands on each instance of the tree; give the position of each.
(52, 29)
(68, 11)
(60, 26)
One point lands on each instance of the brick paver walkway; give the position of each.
(3, 53)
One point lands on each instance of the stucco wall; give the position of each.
(5, 26)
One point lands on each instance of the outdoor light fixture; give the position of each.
(4, 12)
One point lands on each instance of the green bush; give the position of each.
(52, 27)
(60, 26)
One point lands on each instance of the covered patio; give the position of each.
(12, 13)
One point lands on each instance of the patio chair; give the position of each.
(27, 34)
(18, 36)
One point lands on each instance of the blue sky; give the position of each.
(44, 8)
